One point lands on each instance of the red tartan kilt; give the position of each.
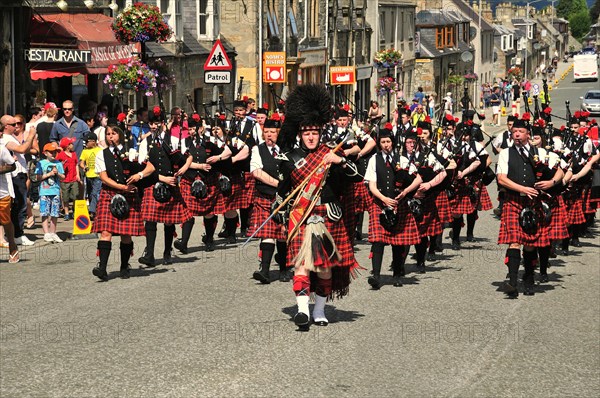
(172, 212)
(510, 229)
(574, 209)
(462, 203)
(558, 224)
(105, 221)
(588, 207)
(443, 208)
(237, 199)
(430, 224)
(260, 212)
(200, 207)
(406, 232)
(340, 237)
(485, 202)
(362, 197)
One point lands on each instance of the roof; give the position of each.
(473, 16)
(439, 17)
(523, 21)
(503, 30)
(191, 46)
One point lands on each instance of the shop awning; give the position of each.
(71, 44)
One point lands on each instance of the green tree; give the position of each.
(567, 8)
(580, 24)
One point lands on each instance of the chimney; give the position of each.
(486, 12)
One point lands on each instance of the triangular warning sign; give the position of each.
(217, 59)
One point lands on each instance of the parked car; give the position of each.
(591, 102)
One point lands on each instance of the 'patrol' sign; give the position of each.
(217, 77)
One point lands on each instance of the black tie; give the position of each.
(274, 152)
(387, 161)
(523, 154)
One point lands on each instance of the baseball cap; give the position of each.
(65, 141)
(51, 147)
(91, 136)
(50, 105)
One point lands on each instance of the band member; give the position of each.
(520, 224)
(264, 166)
(391, 179)
(162, 201)
(119, 208)
(199, 185)
(319, 246)
(504, 140)
(432, 174)
(362, 198)
(262, 114)
(403, 126)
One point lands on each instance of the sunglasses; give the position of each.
(19, 123)
(67, 109)
(11, 124)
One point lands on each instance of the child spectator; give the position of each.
(87, 162)
(69, 187)
(50, 171)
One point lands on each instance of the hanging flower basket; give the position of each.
(165, 79)
(387, 58)
(514, 73)
(386, 85)
(131, 74)
(141, 23)
(470, 77)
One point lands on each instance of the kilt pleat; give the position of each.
(405, 233)
(558, 224)
(105, 221)
(443, 207)
(485, 202)
(200, 207)
(260, 212)
(430, 224)
(574, 209)
(510, 229)
(172, 212)
(237, 199)
(362, 197)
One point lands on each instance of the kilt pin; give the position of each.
(405, 233)
(105, 221)
(260, 212)
(430, 225)
(172, 212)
(200, 207)
(510, 229)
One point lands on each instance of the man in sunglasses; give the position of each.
(70, 126)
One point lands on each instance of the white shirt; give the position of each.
(256, 162)
(100, 165)
(21, 161)
(6, 185)
(371, 173)
(143, 148)
(257, 133)
(502, 167)
(497, 143)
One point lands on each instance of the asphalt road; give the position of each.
(202, 327)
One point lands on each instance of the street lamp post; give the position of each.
(527, 34)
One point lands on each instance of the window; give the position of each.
(403, 28)
(172, 12)
(511, 42)
(202, 7)
(439, 38)
(411, 25)
(314, 18)
(466, 32)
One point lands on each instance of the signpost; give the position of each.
(274, 70)
(342, 75)
(217, 68)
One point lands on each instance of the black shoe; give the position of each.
(124, 273)
(179, 246)
(222, 234)
(470, 238)
(421, 268)
(511, 291)
(244, 232)
(102, 275)
(302, 320)
(231, 240)
(455, 245)
(167, 259)
(359, 236)
(543, 278)
(284, 275)
(262, 278)
(431, 256)
(374, 281)
(587, 235)
(397, 281)
(147, 260)
(575, 242)
(210, 244)
(529, 290)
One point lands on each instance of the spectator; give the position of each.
(50, 172)
(448, 102)
(495, 103)
(69, 186)
(45, 127)
(418, 115)
(487, 92)
(21, 135)
(35, 114)
(413, 106)
(140, 127)
(87, 162)
(7, 165)
(101, 122)
(431, 105)
(420, 96)
(70, 126)
(19, 175)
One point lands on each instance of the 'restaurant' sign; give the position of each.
(63, 55)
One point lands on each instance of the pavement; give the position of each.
(203, 328)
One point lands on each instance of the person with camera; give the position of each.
(392, 178)
(118, 211)
(162, 201)
(520, 224)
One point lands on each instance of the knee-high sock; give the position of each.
(282, 254)
(529, 263)
(186, 231)
(245, 217)
(376, 257)
(399, 254)
(359, 221)
(471, 219)
(301, 287)
(231, 225)
(323, 287)
(544, 253)
(322, 291)
(456, 227)
(104, 248)
(169, 235)
(210, 225)
(126, 250)
(421, 249)
(267, 250)
(512, 261)
(150, 228)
